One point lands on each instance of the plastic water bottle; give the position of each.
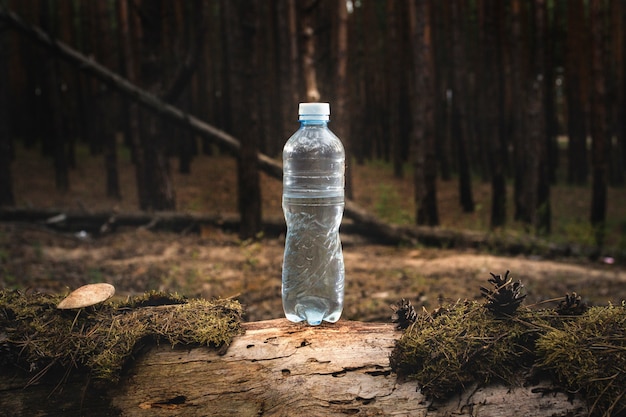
(313, 203)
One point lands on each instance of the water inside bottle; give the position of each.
(313, 268)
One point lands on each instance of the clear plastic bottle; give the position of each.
(313, 203)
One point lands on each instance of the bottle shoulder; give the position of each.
(315, 139)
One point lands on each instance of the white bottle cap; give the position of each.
(314, 111)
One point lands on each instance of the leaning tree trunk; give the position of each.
(276, 368)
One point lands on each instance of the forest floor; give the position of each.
(215, 263)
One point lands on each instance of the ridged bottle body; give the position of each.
(313, 202)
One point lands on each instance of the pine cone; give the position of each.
(572, 305)
(506, 297)
(403, 314)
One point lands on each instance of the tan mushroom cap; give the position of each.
(87, 295)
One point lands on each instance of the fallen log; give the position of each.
(276, 368)
(103, 222)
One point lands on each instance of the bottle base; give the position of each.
(311, 316)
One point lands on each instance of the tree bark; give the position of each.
(276, 368)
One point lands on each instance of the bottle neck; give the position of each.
(320, 123)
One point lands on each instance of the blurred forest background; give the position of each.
(524, 99)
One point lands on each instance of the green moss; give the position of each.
(38, 336)
(588, 355)
(462, 344)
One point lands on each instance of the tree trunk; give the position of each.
(519, 73)
(243, 21)
(53, 120)
(621, 110)
(276, 368)
(157, 177)
(578, 166)
(423, 150)
(7, 197)
(536, 204)
(308, 58)
(460, 105)
(341, 113)
(129, 40)
(394, 71)
(600, 133)
(105, 101)
(491, 35)
(288, 98)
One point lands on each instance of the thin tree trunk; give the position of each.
(424, 160)
(460, 103)
(394, 85)
(617, 176)
(341, 113)
(519, 73)
(7, 197)
(157, 178)
(600, 133)
(536, 210)
(283, 67)
(621, 118)
(308, 58)
(577, 169)
(129, 39)
(242, 18)
(106, 103)
(492, 106)
(55, 127)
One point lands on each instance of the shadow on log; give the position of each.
(276, 368)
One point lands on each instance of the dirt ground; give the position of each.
(215, 263)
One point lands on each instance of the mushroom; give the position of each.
(87, 295)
